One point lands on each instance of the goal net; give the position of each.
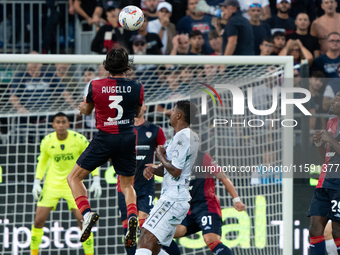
(244, 144)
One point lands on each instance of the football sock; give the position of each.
(317, 245)
(337, 243)
(143, 252)
(172, 249)
(88, 245)
(220, 248)
(131, 210)
(131, 250)
(36, 238)
(331, 247)
(141, 222)
(83, 205)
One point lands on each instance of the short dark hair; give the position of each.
(332, 33)
(60, 114)
(213, 34)
(268, 40)
(189, 110)
(89, 69)
(195, 33)
(117, 61)
(279, 33)
(318, 74)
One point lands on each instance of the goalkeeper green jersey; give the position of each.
(59, 157)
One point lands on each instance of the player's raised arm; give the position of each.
(161, 155)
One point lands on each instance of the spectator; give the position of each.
(180, 45)
(216, 42)
(150, 10)
(266, 47)
(62, 76)
(34, 89)
(327, 23)
(310, 42)
(89, 10)
(331, 89)
(315, 84)
(262, 4)
(179, 8)
(153, 42)
(238, 38)
(328, 63)
(282, 21)
(163, 27)
(196, 43)
(296, 49)
(196, 21)
(139, 45)
(111, 35)
(261, 30)
(279, 40)
(102, 72)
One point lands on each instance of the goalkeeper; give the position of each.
(58, 152)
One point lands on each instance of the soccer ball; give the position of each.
(131, 18)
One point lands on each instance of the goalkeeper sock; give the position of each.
(36, 237)
(88, 245)
(331, 247)
(172, 249)
(131, 210)
(317, 245)
(83, 205)
(220, 248)
(143, 252)
(131, 250)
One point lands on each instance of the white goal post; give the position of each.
(20, 136)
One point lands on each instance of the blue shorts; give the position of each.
(206, 221)
(119, 147)
(144, 204)
(325, 204)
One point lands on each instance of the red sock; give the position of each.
(337, 242)
(131, 210)
(83, 205)
(213, 245)
(141, 222)
(125, 223)
(317, 239)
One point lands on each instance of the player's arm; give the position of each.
(152, 169)
(328, 137)
(140, 101)
(319, 144)
(87, 106)
(239, 206)
(161, 155)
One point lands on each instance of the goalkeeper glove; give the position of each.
(36, 189)
(202, 6)
(96, 187)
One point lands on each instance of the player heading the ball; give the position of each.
(116, 100)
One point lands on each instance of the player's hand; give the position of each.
(36, 189)
(326, 136)
(96, 187)
(239, 206)
(160, 151)
(148, 171)
(82, 106)
(317, 136)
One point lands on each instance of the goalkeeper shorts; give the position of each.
(50, 197)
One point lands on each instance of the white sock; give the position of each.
(331, 247)
(86, 215)
(143, 252)
(163, 252)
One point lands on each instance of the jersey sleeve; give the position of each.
(42, 160)
(89, 97)
(160, 137)
(209, 163)
(181, 152)
(141, 95)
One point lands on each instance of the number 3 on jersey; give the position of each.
(115, 105)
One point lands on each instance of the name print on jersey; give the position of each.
(116, 89)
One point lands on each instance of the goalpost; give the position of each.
(234, 141)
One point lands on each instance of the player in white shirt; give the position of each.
(176, 163)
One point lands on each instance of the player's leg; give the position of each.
(88, 245)
(37, 232)
(319, 210)
(330, 244)
(147, 243)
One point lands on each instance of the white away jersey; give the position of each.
(182, 152)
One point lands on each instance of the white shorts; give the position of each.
(164, 218)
